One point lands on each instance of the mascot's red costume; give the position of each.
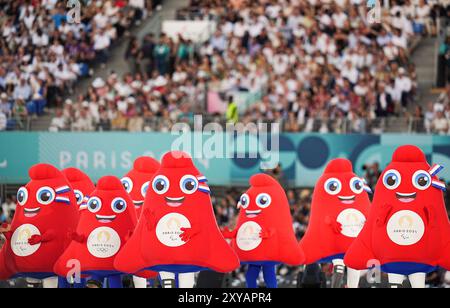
(102, 231)
(264, 236)
(81, 184)
(177, 232)
(339, 209)
(45, 213)
(138, 180)
(136, 183)
(408, 231)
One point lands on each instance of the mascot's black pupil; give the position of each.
(94, 205)
(358, 185)
(21, 196)
(120, 206)
(391, 180)
(45, 196)
(263, 200)
(423, 181)
(190, 185)
(78, 197)
(333, 186)
(160, 186)
(244, 201)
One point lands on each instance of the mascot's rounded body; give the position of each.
(103, 229)
(177, 232)
(46, 212)
(408, 230)
(339, 210)
(264, 236)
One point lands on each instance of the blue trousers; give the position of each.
(269, 273)
(111, 282)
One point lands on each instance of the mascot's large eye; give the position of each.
(188, 184)
(263, 201)
(357, 185)
(244, 202)
(144, 189)
(421, 180)
(94, 205)
(79, 196)
(45, 195)
(333, 186)
(392, 179)
(161, 185)
(127, 184)
(119, 205)
(22, 196)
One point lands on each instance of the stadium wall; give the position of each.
(302, 156)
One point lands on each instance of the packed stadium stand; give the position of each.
(312, 66)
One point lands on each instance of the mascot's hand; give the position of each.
(335, 226)
(74, 236)
(227, 233)
(265, 234)
(34, 240)
(5, 228)
(187, 234)
(384, 214)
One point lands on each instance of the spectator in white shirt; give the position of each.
(59, 122)
(3, 121)
(440, 124)
(403, 87)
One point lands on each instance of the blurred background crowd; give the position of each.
(311, 66)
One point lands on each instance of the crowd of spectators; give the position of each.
(43, 53)
(435, 117)
(314, 66)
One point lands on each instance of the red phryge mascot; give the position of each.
(339, 209)
(138, 180)
(81, 184)
(45, 213)
(102, 231)
(177, 232)
(264, 236)
(136, 183)
(408, 231)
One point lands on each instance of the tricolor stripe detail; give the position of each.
(62, 190)
(204, 189)
(62, 200)
(202, 179)
(366, 187)
(83, 205)
(439, 185)
(435, 169)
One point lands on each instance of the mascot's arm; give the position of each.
(129, 235)
(150, 220)
(267, 233)
(429, 215)
(384, 214)
(44, 238)
(227, 233)
(5, 229)
(79, 238)
(333, 224)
